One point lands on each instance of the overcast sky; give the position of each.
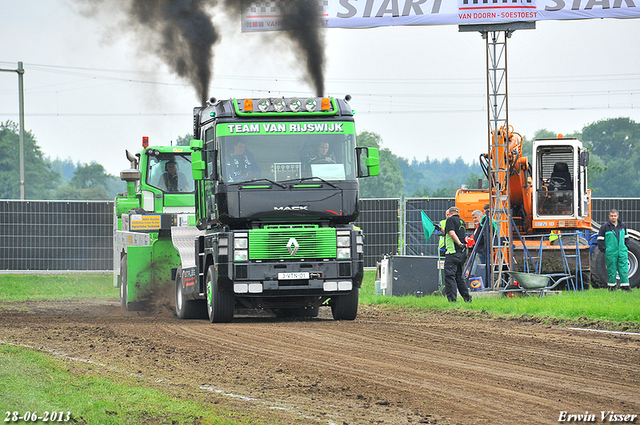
(91, 92)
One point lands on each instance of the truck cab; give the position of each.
(160, 194)
(559, 174)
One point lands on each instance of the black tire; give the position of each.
(220, 304)
(634, 263)
(598, 269)
(185, 308)
(345, 307)
(123, 283)
(599, 266)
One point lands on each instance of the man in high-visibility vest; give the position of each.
(456, 254)
(612, 241)
(441, 246)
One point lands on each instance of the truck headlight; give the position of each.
(241, 255)
(344, 253)
(241, 243)
(344, 241)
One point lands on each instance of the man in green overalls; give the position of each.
(612, 241)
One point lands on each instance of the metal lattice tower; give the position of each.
(498, 140)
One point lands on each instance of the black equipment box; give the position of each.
(411, 275)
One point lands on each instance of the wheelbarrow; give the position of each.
(524, 284)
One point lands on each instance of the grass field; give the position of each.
(34, 286)
(593, 304)
(31, 378)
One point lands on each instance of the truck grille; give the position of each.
(292, 242)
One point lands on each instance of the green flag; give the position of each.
(427, 226)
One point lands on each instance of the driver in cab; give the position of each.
(172, 180)
(321, 155)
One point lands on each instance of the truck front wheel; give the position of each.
(220, 304)
(185, 309)
(345, 307)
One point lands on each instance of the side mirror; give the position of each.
(198, 163)
(368, 161)
(584, 158)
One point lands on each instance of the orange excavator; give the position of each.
(547, 195)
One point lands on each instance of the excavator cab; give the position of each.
(559, 172)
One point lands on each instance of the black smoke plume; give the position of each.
(301, 20)
(181, 33)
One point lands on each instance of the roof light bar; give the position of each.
(279, 105)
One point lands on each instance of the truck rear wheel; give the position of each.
(345, 307)
(599, 265)
(123, 282)
(598, 269)
(185, 309)
(220, 304)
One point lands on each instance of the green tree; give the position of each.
(446, 191)
(443, 175)
(40, 179)
(184, 140)
(90, 176)
(389, 183)
(89, 181)
(616, 137)
(64, 167)
(413, 179)
(614, 165)
(423, 192)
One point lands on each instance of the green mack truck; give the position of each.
(160, 195)
(276, 193)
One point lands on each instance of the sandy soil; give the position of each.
(383, 368)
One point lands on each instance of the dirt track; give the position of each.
(385, 367)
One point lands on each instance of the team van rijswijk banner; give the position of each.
(266, 15)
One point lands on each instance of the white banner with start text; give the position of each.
(271, 15)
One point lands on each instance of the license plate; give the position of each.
(293, 276)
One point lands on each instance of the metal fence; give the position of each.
(379, 221)
(629, 210)
(56, 235)
(414, 241)
(78, 235)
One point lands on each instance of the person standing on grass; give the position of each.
(613, 240)
(455, 256)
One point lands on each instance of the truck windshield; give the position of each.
(170, 173)
(323, 150)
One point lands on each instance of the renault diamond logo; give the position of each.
(293, 246)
